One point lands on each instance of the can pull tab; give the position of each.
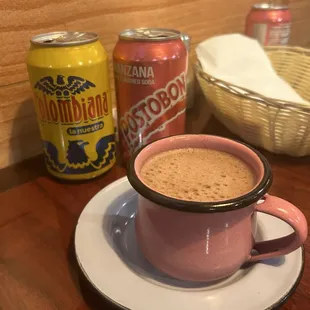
(157, 35)
(151, 34)
(48, 41)
(66, 38)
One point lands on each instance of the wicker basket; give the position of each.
(277, 126)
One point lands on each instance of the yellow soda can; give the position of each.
(68, 73)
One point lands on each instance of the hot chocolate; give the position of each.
(198, 175)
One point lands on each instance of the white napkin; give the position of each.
(242, 61)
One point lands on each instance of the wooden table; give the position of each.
(38, 217)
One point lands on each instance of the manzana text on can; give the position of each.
(150, 66)
(68, 72)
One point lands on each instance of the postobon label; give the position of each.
(144, 119)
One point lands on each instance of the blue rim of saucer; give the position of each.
(201, 207)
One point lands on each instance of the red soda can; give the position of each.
(150, 66)
(270, 24)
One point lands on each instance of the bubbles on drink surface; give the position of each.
(198, 175)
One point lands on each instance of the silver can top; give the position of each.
(149, 34)
(64, 38)
(270, 6)
(186, 40)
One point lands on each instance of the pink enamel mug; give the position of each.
(207, 241)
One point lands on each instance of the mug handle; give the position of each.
(290, 214)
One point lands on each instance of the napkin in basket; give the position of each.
(242, 61)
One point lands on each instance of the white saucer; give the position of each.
(110, 258)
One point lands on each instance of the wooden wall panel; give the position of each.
(21, 19)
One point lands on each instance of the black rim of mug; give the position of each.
(201, 207)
